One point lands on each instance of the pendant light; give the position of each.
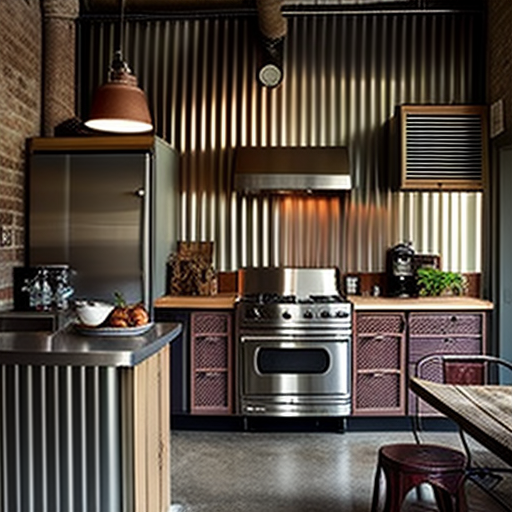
(120, 106)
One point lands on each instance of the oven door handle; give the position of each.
(306, 339)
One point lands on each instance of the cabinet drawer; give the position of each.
(439, 324)
(211, 390)
(378, 391)
(210, 352)
(423, 346)
(378, 352)
(380, 324)
(208, 323)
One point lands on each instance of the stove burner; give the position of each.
(275, 298)
(327, 299)
(269, 298)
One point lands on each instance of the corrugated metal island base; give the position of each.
(85, 421)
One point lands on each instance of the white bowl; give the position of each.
(92, 313)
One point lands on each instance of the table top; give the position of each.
(67, 347)
(483, 411)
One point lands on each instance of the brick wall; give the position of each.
(20, 117)
(499, 58)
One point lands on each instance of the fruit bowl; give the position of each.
(92, 313)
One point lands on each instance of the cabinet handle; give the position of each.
(449, 340)
(377, 375)
(453, 319)
(208, 375)
(378, 338)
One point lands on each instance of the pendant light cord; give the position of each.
(121, 28)
(119, 68)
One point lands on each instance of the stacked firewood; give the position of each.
(191, 271)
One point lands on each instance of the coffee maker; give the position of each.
(401, 271)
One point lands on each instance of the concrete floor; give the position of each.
(289, 472)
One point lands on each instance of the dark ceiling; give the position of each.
(176, 7)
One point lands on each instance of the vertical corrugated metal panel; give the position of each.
(59, 439)
(344, 76)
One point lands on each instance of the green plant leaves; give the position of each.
(435, 282)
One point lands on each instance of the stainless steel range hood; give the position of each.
(291, 169)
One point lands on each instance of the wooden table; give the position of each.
(483, 411)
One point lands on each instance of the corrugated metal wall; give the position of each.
(60, 441)
(344, 76)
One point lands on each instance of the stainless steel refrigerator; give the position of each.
(107, 207)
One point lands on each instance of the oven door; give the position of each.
(308, 371)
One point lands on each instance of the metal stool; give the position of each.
(408, 465)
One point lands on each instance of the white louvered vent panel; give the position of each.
(444, 150)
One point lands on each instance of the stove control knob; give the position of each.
(308, 314)
(325, 314)
(342, 314)
(287, 315)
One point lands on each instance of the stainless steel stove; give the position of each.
(294, 333)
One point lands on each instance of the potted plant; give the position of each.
(433, 282)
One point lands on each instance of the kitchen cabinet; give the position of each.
(211, 362)
(392, 335)
(202, 358)
(379, 364)
(441, 333)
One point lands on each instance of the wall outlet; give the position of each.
(5, 237)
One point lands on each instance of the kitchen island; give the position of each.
(85, 421)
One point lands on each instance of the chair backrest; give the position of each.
(464, 372)
(461, 369)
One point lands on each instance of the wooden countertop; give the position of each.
(366, 303)
(219, 301)
(419, 304)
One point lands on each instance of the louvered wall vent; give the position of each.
(443, 147)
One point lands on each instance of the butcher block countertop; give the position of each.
(366, 303)
(219, 301)
(419, 304)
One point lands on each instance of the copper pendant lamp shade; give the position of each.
(120, 106)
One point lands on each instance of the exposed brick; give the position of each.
(499, 58)
(6, 218)
(20, 118)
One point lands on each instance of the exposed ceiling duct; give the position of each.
(271, 22)
(183, 7)
(291, 169)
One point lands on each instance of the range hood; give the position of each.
(291, 169)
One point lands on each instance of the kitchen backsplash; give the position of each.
(207, 101)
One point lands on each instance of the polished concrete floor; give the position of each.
(289, 472)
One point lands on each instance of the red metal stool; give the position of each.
(408, 465)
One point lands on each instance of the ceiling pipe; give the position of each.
(272, 25)
(271, 20)
(59, 34)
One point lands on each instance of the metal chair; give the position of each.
(406, 466)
